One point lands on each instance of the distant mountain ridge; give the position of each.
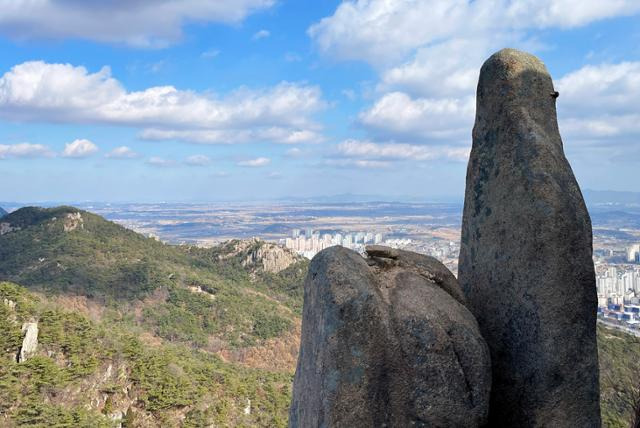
(3, 212)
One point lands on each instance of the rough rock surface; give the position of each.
(270, 257)
(387, 341)
(73, 221)
(29, 342)
(7, 228)
(525, 260)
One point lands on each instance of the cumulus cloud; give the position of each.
(160, 162)
(274, 175)
(253, 163)
(356, 163)
(80, 148)
(428, 56)
(262, 34)
(141, 23)
(379, 31)
(397, 116)
(586, 92)
(38, 91)
(198, 160)
(234, 136)
(211, 53)
(24, 150)
(122, 152)
(367, 150)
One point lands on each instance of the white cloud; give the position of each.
(428, 56)
(442, 69)
(160, 162)
(80, 148)
(24, 150)
(37, 91)
(142, 23)
(122, 152)
(397, 116)
(211, 53)
(357, 163)
(399, 151)
(255, 162)
(234, 136)
(383, 31)
(274, 175)
(599, 102)
(262, 34)
(197, 160)
(616, 86)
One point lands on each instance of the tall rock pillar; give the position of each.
(525, 260)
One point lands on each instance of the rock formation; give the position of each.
(272, 257)
(29, 342)
(387, 341)
(258, 254)
(525, 260)
(73, 221)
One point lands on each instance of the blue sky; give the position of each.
(193, 100)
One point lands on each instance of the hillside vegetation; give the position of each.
(619, 355)
(94, 374)
(180, 293)
(135, 331)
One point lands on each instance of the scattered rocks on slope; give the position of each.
(387, 341)
(30, 341)
(7, 228)
(73, 221)
(525, 261)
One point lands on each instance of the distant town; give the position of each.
(428, 228)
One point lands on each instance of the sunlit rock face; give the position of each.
(525, 261)
(387, 341)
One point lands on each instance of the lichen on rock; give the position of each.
(526, 263)
(387, 341)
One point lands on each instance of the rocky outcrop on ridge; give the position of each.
(258, 254)
(526, 254)
(29, 342)
(387, 341)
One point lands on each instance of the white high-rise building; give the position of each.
(627, 281)
(633, 252)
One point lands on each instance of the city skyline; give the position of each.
(263, 99)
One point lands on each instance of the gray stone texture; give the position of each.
(29, 342)
(387, 342)
(525, 260)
